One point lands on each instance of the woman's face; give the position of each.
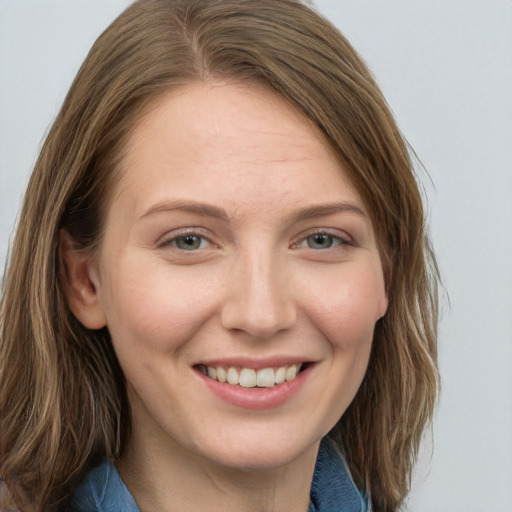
(236, 249)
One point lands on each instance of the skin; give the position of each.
(237, 167)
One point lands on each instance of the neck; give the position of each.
(176, 479)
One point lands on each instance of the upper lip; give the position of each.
(256, 364)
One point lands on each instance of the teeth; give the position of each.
(280, 375)
(221, 374)
(247, 378)
(250, 378)
(233, 377)
(291, 372)
(265, 378)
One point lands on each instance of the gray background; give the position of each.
(446, 70)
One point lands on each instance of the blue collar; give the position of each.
(332, 489)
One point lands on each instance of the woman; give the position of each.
(221, 288)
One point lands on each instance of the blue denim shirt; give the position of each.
(332, 489)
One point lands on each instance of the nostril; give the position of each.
(260, 321)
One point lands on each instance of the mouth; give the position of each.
(252, 378)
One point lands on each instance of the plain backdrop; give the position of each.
(446, 70)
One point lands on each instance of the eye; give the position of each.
(322, 241)
(189, 242)
(186, 242)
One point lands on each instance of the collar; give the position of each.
(332, 489)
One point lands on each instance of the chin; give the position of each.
(264, 453)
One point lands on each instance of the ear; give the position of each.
(81, 283)
(383, 305)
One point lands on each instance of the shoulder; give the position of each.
(103, 490)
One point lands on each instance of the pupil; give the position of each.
(320, 241)
(189, 242)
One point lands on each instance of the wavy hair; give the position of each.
(63, 405)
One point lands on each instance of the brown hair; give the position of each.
(63, 406)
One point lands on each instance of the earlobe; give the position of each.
(81, 284)
(383, 305)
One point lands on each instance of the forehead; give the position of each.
(222, 139)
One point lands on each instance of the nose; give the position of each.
(259, 298)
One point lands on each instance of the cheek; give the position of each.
(151, 307)
(348, 310)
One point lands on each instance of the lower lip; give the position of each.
(257, 398)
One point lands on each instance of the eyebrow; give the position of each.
(204, 209)
(328, 209)
(208, 210)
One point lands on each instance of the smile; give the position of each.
(251, 378)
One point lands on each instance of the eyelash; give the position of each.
(173, 239)
(336, 240)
